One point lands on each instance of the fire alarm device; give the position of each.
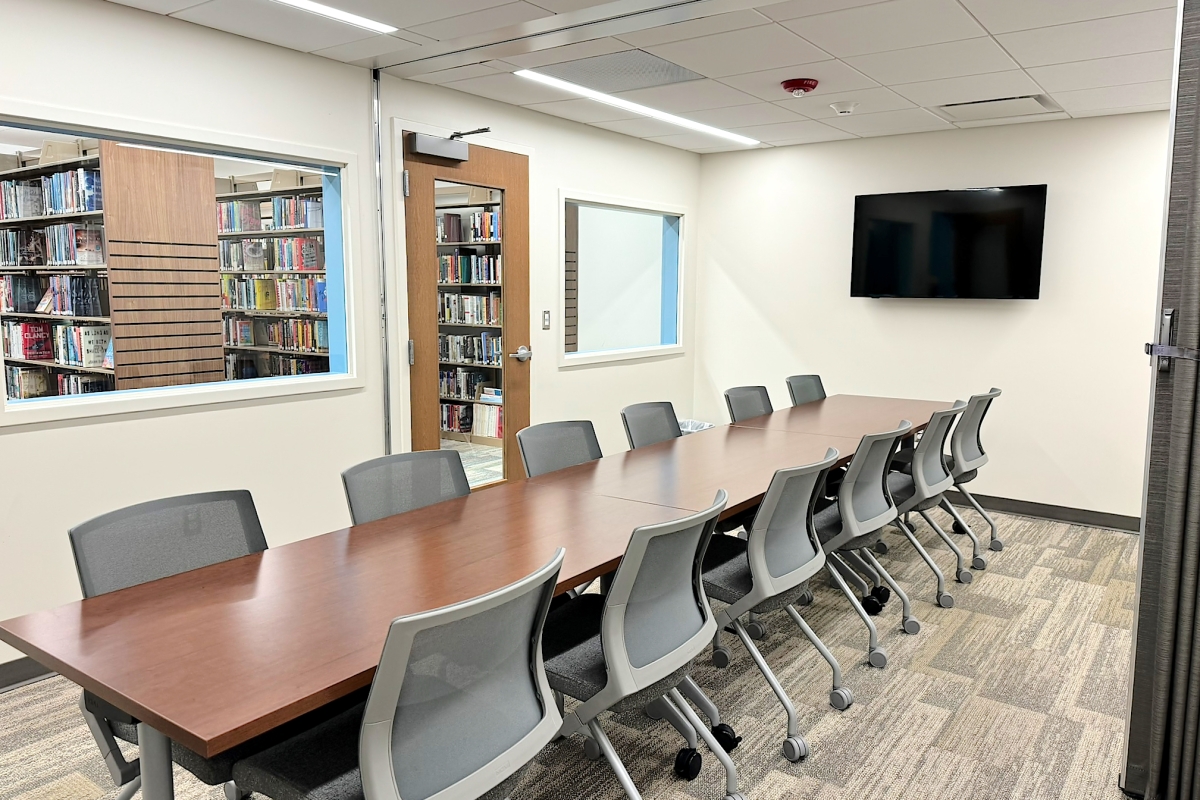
(798, 87)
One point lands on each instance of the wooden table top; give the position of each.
(849, 415)
(216, 656)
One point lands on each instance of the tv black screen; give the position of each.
(979, 243)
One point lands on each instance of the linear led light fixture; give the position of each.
(636, 108)
(341, 16)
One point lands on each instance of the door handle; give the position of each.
(523, 354)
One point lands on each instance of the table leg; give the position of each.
(154, 756)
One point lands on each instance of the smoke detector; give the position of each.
(844, 108)
(798, 87)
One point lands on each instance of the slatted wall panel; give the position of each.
(571, 289)
(164, 279)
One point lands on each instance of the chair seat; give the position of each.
(902, 462)
(571, 647)
(318, 764)
(828, 522)
(727, 569)
(903, 488)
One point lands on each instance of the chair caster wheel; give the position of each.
(877, 657)
(795, 749)
(964, 576)
(979, 562)
(996, 545)
(871, 605)
(880, 547)
(945, 600)
(841, 698)
(757, 630)
(591, 749)
(806, 599)
(726, 737)
(687, 764)
(911, 625)
(720, 658)
(882, 594)
(959, 527)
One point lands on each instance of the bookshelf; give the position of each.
(275, 318)
(470, 314)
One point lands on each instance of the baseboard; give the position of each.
(20, 672)
(1075, 516)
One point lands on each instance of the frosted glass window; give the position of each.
(622, 279)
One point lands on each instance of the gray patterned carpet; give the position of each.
(483, 464)
(1017, 692)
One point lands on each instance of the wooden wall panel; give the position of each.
(164, 283)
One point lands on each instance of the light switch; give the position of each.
(545, 320)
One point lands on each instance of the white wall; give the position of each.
(775, 294)
(563, 156)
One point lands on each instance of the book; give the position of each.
(108, 362)
(265, 296)
(32, 248)
(89, 246)
(20, 293)
(28, 340)
(23, 383)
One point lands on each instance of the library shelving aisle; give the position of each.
(273, 281)
(470, 318)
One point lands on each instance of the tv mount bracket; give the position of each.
(1165, 352)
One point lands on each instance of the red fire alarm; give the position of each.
(798, 87)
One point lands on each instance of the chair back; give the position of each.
(805, 389)
(557, 445)
(965, 444)
(746, 402)
(650, 423)
(460, 700)
(153, 540)
(930, 475)
(383, 487)
(864, 500)
(656, 616)
(783, 548)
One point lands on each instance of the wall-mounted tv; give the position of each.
(977, 243)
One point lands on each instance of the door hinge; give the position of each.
(404, 181)
(412, 352)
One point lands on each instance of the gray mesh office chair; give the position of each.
(771, 571)
(850, 526)
(967, 456)
(805, 389)
(745, 402)
(553, 446)
(143, 543)
(634, 646)
(458, 708)
(649, 423)
(384, 487)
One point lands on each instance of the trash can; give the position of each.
(693, 425)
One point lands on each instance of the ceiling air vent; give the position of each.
(1001, 108)
(620, 72)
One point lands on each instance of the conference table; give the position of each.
(217, 656)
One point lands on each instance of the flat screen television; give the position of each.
(976, 243)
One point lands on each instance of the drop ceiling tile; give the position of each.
(741, 116)
(509, 88)
(887, 26)
(1135, 94)
(582, 110)
(159, 6)
(934, 61)
(729, 147)
(833, 76)
(1107, 112)
(483, 21)
(1005, 16)
(366, 48)
(807, 8)
(969, 88)
(805, 130)
(987, 123)
(691, 96)
(736, 52)
(274, 23)
(411, 13)
(564, 6)
(641, 127)
(870, 101)
(1101, 38)
(465, 72)
(912, 120)
(697, 141)
(1119, 70)
(569, 52)
(695, 28)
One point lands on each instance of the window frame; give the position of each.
(567, 360)
(132, 401)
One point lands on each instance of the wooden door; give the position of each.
(493, 169)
